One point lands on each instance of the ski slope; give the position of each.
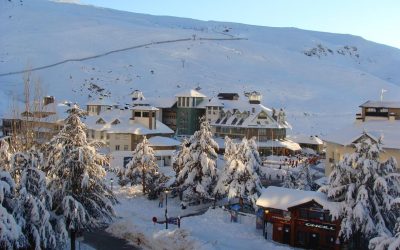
(79, 52)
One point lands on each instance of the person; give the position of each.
(161, 200)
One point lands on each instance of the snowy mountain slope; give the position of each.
(293, 68)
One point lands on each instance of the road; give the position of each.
(101, 240)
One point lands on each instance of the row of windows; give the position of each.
(143, 114)
(382, 110)
(188, 101)
(315, 215)
(118, 147)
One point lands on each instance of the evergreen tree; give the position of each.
(181, 157)
(305, 181)
(79, 192)
(240, 176)
(33, 203)
(289, 180)
(384, 242)
(5, 155)
(143, 169)
(197, 178)
(367, 190)
(11, 236)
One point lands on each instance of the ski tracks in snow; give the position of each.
(113, 52)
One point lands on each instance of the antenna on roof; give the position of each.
(382, 91)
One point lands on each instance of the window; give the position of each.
(108, 137)
(145, 114)
(371, 110)
(327, 217)
(101, 135)
(117, 147)
(138, 114)
(100, 121)
(116, 122)
(303, 214)
(126, 147)
(316, 215)
(187, 101)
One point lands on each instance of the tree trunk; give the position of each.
(72, 236)
(143, 180)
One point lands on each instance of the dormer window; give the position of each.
(115, 122)
(100, 121)
(234, 121)
(262, 115)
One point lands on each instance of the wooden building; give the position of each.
(299, 218)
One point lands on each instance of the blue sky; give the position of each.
(375, 20)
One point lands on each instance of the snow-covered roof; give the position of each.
(265, 144)
(190, 93)
(304, 139)
(162, 102)
(242, 113)
(389, 130)
(101, 102)
(164, 152)
(380, 104)
(291, 145)
(144, 108)
(285, 198)
(125, 125)
(163, 141)
(213, 102)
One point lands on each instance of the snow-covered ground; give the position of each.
(211, 230)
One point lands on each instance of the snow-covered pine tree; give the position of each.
(143, 169)
(240, 176)
(232, 163)
(76, 178)
(385, 242)
(5, 155)
(250, 176)
(367, 190)
(181, 156)
(197, 178)
(289, 180)
(11, 236)
(33, 203)
(304, 181)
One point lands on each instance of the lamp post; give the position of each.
(166, 209)
(112, 181)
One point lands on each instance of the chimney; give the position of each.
(47, 100)
(255, 97)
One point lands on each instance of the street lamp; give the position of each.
(166, 210)
(112, 181)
